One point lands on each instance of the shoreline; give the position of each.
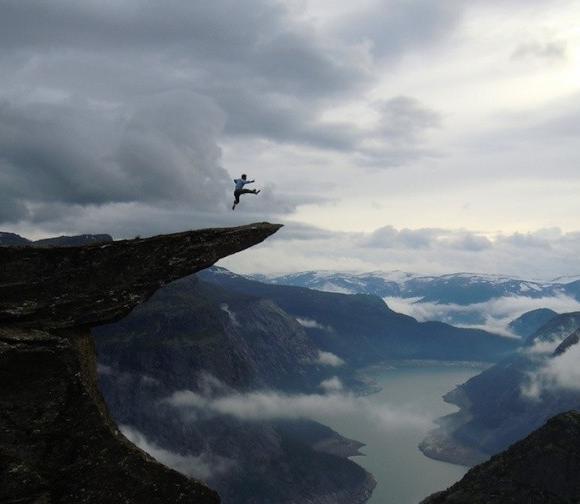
(439, 445)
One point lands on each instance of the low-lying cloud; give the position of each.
(329, 359)
(312, 324)
(331, 385)
(271, 405)
(231, 315)
(558, 372)
(203, 466)
(493, 315)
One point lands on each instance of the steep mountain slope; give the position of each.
(205, 343)
(361, 329)
(246, 341)
(543, 468)
(507, 401)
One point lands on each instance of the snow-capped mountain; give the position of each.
(466, 299)
(456, 288)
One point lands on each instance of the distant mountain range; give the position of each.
(15, 240)
(456, 288)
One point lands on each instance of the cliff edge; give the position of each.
(58, 444)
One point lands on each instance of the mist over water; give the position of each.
(403, 473)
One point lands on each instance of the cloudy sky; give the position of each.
(425, 135)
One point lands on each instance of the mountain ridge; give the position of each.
(443, 288)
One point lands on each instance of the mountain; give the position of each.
(14, 240)
(509, 400)
(58, 442)
(456, 288)
(218, 336)
(361, 329)
(542, 468)
(73, 241)
(528, 323)
(194, 337)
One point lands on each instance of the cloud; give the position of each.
(404, 120)
(559, 372)
(548, 252)
(329, 359)
(331, 385)
(270, 405)
(394, 27)
(313, 324)
(231, 315)
(495, 314)
(389, 237)
(64, 155)
(116, 113)
(300, 231)
(468, 242)
(202, 467)
(552, 50)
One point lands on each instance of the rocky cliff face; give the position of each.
(57, 441)
(543, 468)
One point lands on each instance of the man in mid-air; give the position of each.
(239, 190)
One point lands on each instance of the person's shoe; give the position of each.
(234, 206)
(258, 191)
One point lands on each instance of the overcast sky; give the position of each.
(425, 135)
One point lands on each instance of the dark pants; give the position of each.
(242, 191)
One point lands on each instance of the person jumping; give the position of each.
(239, 190)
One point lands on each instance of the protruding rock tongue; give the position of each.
(56, 288)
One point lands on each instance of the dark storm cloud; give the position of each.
(284, 119)
(123, 104)
(252, 40)
(73, 153)
(272, 75)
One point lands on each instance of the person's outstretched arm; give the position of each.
(250, 181)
